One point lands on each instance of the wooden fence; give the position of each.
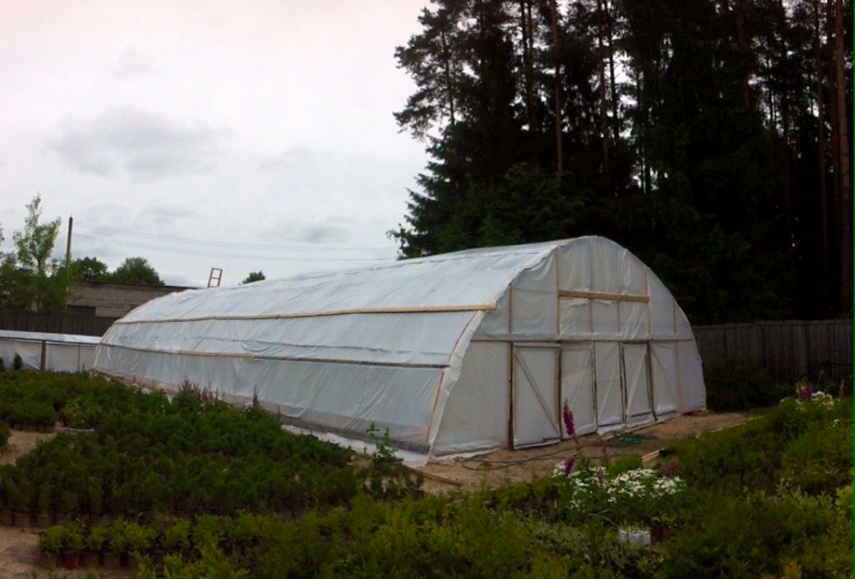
(55, 323)
(786, 351)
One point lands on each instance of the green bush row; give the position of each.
(163, 534)
(149, 453)
(804, 444)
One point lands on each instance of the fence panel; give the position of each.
(786, 350)
(55, 323)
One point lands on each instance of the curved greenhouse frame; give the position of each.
(452, 353)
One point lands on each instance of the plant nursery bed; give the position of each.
(511, 466)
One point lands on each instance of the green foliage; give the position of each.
(671, 152)
(176, 538)
(188, 456)
(739, 384)
(89, 269)
(747, 537)
(61, 539)
(820, 460)
(30, 280)
(17, 362)
(135, 270)
(751, 456)
(755, 504)
(253, 277)
(387, 477)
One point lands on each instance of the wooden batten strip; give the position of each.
(239, 356)
(603, 296)
(405, 310)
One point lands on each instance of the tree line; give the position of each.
(33, 279)
(710, 137)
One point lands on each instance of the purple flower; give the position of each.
(569, 464)
(671, 468)
(805, 393)
(568, 420)
(601, 478)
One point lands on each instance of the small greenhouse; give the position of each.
(452, 353)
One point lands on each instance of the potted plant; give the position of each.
(72, 545)
(176, 538)
(50, 545)
(246, 531)
(7, 490)
(96, 542)
(22, 502)
(117, 545)
(139, 538)
(43, 516)
(207, 531)
(64, 543)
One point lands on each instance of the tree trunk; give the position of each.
(604, 117)
(785, 121)
(743, 53)
(528, 65)
(612, 82)
(821, 152)
(559, 148)
(843, 176)
(449, 83)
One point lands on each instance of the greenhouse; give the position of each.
(453, 353)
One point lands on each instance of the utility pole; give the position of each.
(68, 243)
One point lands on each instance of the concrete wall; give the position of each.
(114, 299)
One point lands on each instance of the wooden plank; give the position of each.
(603, 296)
(327, 313)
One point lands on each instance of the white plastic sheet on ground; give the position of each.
(452, 353)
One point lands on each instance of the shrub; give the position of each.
(59, 539)
(628, 497)
(4, 433)
(735, 537)
(739, 384)
(820, 460)
(17, 362)
(176, 538)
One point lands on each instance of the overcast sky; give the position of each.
(241, 134)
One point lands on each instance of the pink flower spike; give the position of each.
(569, 464)
(568, 420)
(601, 478)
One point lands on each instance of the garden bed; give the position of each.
(767, 498)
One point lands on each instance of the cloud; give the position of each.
(331, 229)
(131, 64)
(143, 144)
(290, 159)
(163, 216)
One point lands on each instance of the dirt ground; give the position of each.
(19, 558)
(509, 466)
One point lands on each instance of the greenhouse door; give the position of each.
(535, 396)
(577, 385)
(636, 371)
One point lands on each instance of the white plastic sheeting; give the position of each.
(452, 353)
(43, 351)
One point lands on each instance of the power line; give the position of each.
(221, 255)
(210, 243)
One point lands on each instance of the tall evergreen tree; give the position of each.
(705, 135)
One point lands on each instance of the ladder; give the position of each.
(215, 276)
